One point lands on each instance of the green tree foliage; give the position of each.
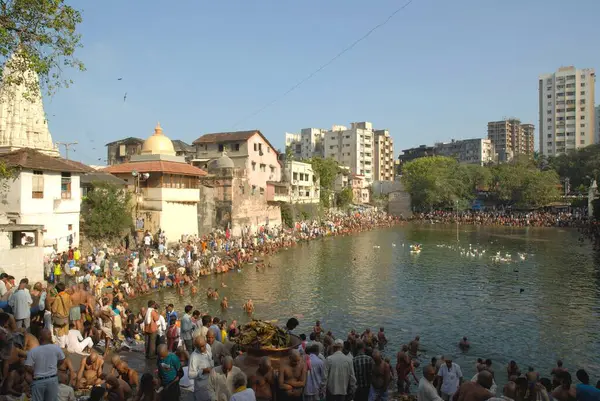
(44, 35)
(441, 182)
(326, 169)
(106, 212)
(580, 166)
(344, 197)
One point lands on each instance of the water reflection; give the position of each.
(440, 294)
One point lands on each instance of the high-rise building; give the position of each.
(308, 143)
(352, 147)
(566, 107)
(511, 138)
(384, 156)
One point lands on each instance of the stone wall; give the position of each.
(251, 209)
(399, 204)
(206, 210)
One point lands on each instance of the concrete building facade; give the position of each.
(352, 147)
(308, 143)
(383, 156)
(566, 110)
(45, 192)
(597, 125)
(249, 150)
(469, 151)
(304, 186)
(167, 189)
(122, 150)
(511, 138)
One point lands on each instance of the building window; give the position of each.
(582, 101)
(253, 189)
(295, 176)
(236, 147)
(221, 147)
(70, 227)
(549, 136)
(262, 191)
(272, 169)
(253, 166)
(268, 150)
(242, 190)
(37, 185)
(582, 118)
(582, 141)
(549, 96)
(263, 167)
(260, 147)
(255, 147)
(582, 108)
(582, 125)
(65, 185)
(583, 84)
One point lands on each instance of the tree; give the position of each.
(106, 211)
(344, 197)
(43, 36)
(326, 170)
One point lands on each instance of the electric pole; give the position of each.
(67, 145)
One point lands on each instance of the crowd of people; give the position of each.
(574, 218)
(82, 308)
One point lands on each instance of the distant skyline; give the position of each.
(437, 71)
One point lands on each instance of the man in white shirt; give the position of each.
(42, 363)
(75, 341)
(427, 392)
(200, 367)
(3, 289)
(20, 302)
(450, 378)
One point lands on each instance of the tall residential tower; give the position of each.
(566, 107)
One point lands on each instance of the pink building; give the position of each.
(249, 150)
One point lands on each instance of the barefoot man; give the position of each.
(381, 377)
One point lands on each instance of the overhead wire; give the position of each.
(323, 66)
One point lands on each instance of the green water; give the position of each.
(440, 294)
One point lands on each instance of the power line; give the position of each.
(322, 67)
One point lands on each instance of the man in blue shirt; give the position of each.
(216, 329)
(585, 391)
(169, 372)
(170, 312)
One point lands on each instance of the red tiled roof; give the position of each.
(235, 136)
(34, 160)
(163, 166)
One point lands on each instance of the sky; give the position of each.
(438, 70)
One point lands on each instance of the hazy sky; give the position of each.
(438, 70)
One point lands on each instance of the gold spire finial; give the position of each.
(158, 129)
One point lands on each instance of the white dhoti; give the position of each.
(80, 346)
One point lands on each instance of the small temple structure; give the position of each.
(167, 189)
(23, 121)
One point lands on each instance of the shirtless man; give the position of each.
(293, 377)
(381, 378)
(464, 344)
(564, 392)
(248, 307)
(476, 391)
(413, 347)
(66, 372)
(78, 298)
(31, 341)
(128, 375)
(263, 382)
(115, 361)
(224, 303)
(16, 383)
(90, 371)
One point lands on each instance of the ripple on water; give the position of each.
(439, 293)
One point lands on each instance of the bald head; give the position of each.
(485, 379)
(510, 390)
(200, 343)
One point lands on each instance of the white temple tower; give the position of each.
(22, 118)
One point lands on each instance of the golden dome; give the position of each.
(158, 144)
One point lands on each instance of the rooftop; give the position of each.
(131, 139)
(155, 166)
(34, 160)
(236, 136)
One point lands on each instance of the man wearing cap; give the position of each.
(339, 374)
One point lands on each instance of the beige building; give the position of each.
(308, 143)
(352, 147)
(383, 156)
(511, 138)
(468, 151)
(566, 109)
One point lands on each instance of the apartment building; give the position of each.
(308, 143)
(511, 138)
(352, 147)
(566, 110)
(468, 151)
(597, 124)
(384, 156)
